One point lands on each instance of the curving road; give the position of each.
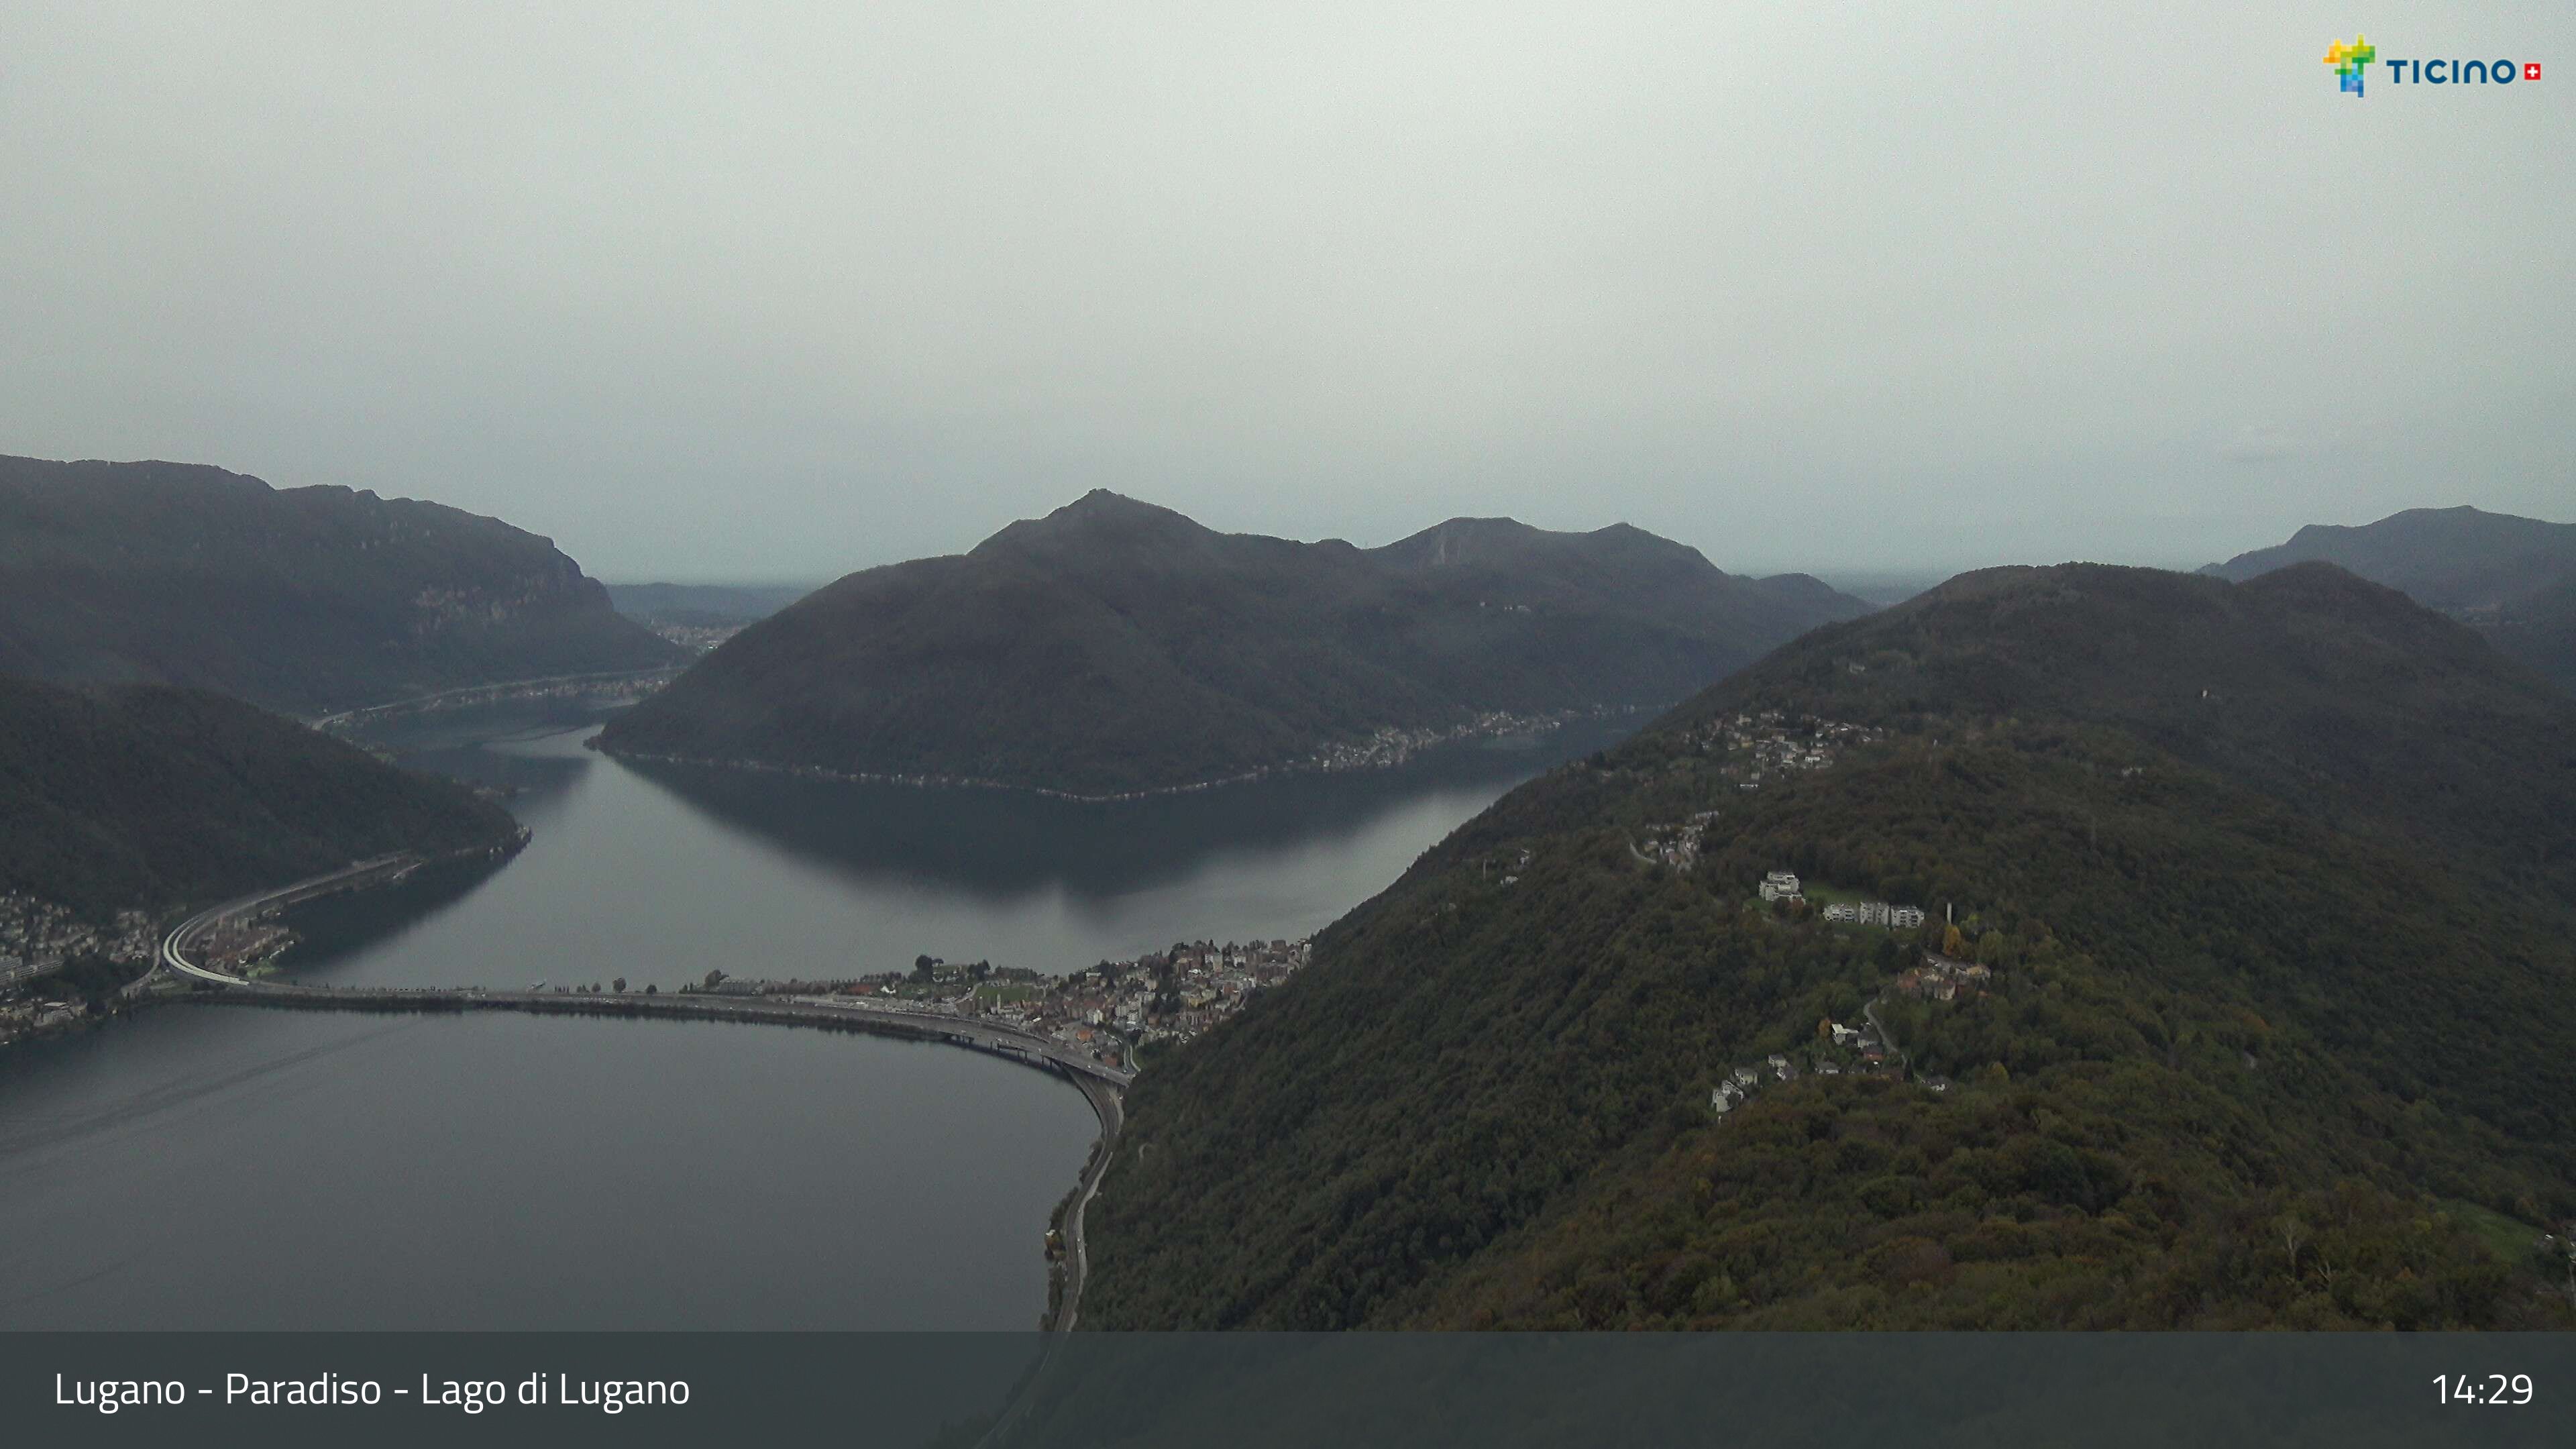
(1107, 1105)
(175, 946)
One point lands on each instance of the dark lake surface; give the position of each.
(228, 1168)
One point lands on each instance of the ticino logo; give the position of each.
(2351, 62)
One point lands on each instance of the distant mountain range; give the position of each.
(1115, 646)
(147, 797)
(305, 600)
(2512, 579)
(703, 606)
(2270, 887)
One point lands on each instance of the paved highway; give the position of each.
(1107, 1105)
(176, 945)
(467, 691)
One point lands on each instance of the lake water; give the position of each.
(227, 1168)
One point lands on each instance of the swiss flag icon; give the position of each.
(2531, 70)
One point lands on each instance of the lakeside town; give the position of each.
(1111, 1011)
(38, 939)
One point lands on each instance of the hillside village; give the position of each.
(1864, 1049)
(1768, 745)
(1754, 748)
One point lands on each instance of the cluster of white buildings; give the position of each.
(1742, 1082)
(1677, 846)
(1783, 885)
(1164, 995)
(1875, 913)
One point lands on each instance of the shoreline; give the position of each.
(1516, 725)
(148, 985)
(1102, 1090)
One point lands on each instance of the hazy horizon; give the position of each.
(1841, 574)
(779, 293)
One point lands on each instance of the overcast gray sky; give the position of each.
(768, 291)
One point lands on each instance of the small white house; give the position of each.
(1780, 885)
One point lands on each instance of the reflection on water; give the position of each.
(187, 1169)
(1001, 845)
(659, 873)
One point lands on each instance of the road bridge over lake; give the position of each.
(1000, 1040)
(1101, 1084)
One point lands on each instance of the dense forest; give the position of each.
(2272, 884)
(146, 797)
(1115, 646)
(302, 600)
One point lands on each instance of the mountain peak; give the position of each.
(1103, 501)
(1463, 541)
(1099, 519)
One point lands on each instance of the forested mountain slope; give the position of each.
(147, 797)
(303, 600)
(2268, 884)
(1115, 646)
(2512, 579)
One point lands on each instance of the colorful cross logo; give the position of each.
(2349, 61)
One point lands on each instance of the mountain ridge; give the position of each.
(304, 600)
(1114, 645)
(2513, 579)
(145, 796)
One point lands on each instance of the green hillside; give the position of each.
(2272, 885)
(148, 797)
(2512, 579)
